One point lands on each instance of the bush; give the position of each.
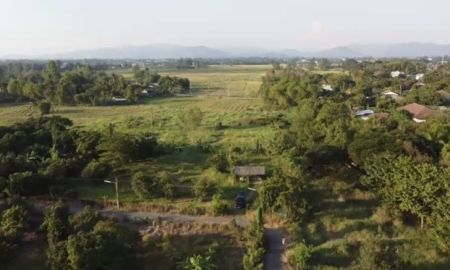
(44, 107)
(219, 207)
(202, 187)
(14, 222)
(96, 169)
(300, 256)
(140, 185)
(166, 184)
(378, 254)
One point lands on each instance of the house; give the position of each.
(119, 99)
(327, 87)
(249, 172)
(389, 94)
(364, 114)
(419, 112)
(419, 76)
(397, 74)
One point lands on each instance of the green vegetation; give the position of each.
(350, 192)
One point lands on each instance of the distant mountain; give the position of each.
(163, 51)
(338, 52)
(413, 49)
(156, 51)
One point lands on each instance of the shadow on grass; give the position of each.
(331, 256)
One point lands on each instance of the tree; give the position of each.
(378, 254)
(166, 183)
(44, 107)
(14, 223)
(219, 206)
(405, 185)
(299, 256)
(253, 258)
(14, 88)
(141, 185)
(203, 187)
(85, 220)
(96, 169)
(107, 246)
(57, 257)
(56, 223)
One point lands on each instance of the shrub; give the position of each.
(96, 169)
(14, 222)
(377, 254)
(44, 107)
(299, 256)
(203, 187)
(219, 207)
(140, 185)
(166, 183)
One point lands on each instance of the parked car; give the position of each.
(240, 201)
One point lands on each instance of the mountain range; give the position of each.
(163, 51)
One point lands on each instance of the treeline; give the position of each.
(36, 155)
(80, 85)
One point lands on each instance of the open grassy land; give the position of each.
(227, 97)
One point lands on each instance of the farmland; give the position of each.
(227, 96)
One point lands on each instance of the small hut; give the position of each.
(249, 172)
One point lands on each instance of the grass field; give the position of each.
(225, 94)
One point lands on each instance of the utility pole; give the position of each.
(117, 193)
(116, 185)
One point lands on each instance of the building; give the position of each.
(327, 87)
(419, 76)
(397, 74)
(249, 172)
(419, 112)
(364, 114)
(391, 94)
(119, 99)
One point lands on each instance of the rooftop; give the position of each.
(249, 170)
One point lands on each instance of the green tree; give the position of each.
(107, 246)
(377, 254)
(203, 187)
(56, 223)
(14, 221)
(166, 183)
(14, 88)
(44, 107)
(300, 256)
(57, 257)
(85, 220)
(141, 185)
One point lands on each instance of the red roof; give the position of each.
(417, 110)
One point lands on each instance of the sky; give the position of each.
(32, 27)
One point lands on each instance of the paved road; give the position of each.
(274, 250)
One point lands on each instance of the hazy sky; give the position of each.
(51, 26)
